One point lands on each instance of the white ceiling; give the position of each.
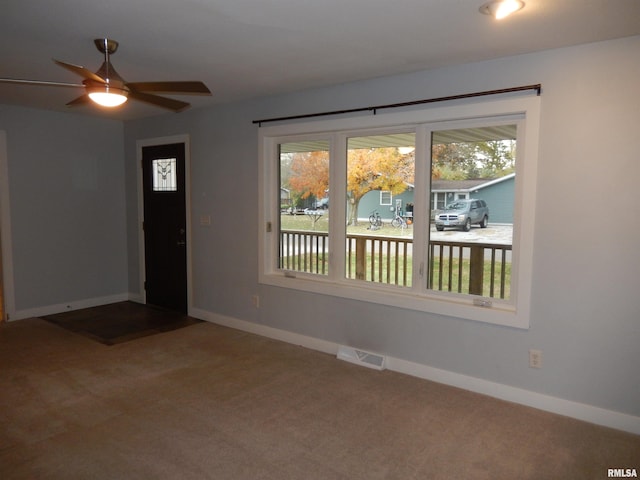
(250, 48)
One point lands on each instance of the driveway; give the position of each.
(502, 234)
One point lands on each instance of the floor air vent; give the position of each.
(360, 357)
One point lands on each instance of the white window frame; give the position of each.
(524, 111)
(389, 195)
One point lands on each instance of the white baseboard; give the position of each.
(66, 307)
(580, 411)
(567, 408)
(265, 331)
(136, 297)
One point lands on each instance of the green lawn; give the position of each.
(303, 222)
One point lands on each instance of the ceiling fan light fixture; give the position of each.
(108, 89)
(500, 9)
(107, 96)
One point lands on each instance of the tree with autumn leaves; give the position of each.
(309, 175)
(376, 169)
(367, 169)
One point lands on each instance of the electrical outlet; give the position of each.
(535, 358)
(255, 301)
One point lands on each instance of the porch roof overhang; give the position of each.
(480, 134)
(466, 186)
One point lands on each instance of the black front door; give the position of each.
(165, 226)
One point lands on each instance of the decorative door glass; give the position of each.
(164, 175)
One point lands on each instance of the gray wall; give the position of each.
(75, 231)
(585, 309)
(67, 199)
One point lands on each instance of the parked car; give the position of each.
(462, 214)
(295, 211)
(322, 204)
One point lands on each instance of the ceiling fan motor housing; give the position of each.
(106, 45)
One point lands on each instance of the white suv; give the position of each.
(462, 214)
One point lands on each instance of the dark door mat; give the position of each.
(120, 322)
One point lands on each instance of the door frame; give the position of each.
(5, 232)
(150, 142)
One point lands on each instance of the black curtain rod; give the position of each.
(537, 88)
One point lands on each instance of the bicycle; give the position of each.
(375, 221)
(398, 220)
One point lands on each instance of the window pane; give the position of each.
(164, 175)
(385, 197)
(304, 207)
(473, 186)
(379, 210)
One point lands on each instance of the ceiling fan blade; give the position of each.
(81, 100)
(170, 103)
(45, 83)
(83, 72)
(189, 88)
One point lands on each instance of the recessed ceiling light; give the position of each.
(501, 8)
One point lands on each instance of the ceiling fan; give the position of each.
(105, 87)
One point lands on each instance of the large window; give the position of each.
(430, 210)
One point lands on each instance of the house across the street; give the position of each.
(497, 192)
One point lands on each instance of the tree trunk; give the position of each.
(353, 211)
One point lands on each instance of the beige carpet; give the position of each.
(207, 402)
